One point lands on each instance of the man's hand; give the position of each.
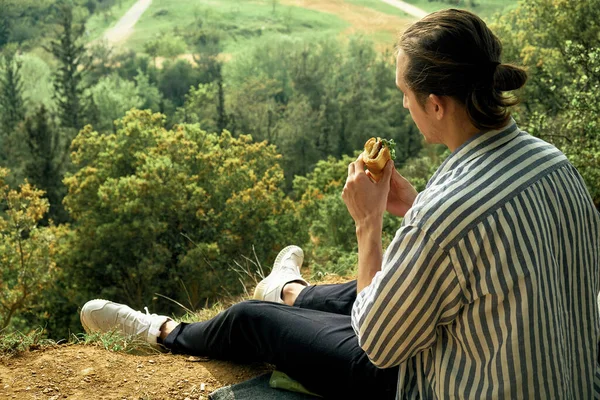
(366, 200)
(401, 195)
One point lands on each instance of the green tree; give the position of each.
(151, 47)
(557, 40)
(296, 137)
(26, 250)
(272, 85)
(72, 57)
(11, 93)
(47, 156)
(101, 61)
(37, 83)
(207, 45)
(147, 92)
(255, 110)
(200, 107)
(153, 208)
(4, 26)
(113, 96)
(168, 45)
(321, 208)
(175, 80)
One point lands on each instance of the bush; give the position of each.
(26, 250)
(158, 211)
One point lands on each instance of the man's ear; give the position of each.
(438, 105)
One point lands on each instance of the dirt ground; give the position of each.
(85, 372)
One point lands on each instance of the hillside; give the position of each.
(78, 371)
(81, 372)
(252, 23)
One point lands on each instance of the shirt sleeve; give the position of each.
(417, 290)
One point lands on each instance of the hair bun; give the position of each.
(509, 77)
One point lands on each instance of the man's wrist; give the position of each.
(369, 229)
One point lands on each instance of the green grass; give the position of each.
(250, 23)
(243, 22)
(115, 340)
(13, 343)
(483, 8)
(99, 22)
(387, 41)
(380, 6)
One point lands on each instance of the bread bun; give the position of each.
(375, 156)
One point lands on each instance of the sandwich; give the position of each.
(377, 153)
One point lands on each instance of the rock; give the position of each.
(87, 371)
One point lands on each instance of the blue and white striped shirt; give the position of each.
(489, 287)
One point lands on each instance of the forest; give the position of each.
(148, 178)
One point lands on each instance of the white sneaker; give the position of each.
(103, 315)
(286, 268)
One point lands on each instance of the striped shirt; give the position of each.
(489, 287)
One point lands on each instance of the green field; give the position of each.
(244, 22)
(380, 6)
(249, 23)
(484, 8)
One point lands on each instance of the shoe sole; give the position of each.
(259, 292)
(282, 253)
(85, 327)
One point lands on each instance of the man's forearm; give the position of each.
(370, 253)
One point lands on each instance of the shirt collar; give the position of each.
(477, 145)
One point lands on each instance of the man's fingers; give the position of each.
(360, 164)
(388, 170)
(351, 169)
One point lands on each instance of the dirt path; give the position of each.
(407, 8)
(124, 28)
(79, 372)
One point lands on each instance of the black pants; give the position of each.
(313, 342)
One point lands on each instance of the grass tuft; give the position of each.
(115, 340)
(249, 272)
(14, 343)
